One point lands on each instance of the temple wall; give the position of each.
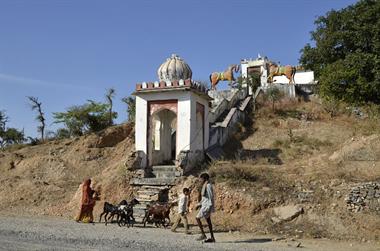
(183, 121)
(306, 77)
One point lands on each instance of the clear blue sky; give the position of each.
(67, 51)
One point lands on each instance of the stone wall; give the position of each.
(365, 196)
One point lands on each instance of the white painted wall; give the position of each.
(197, 145)
(184, 123)
(306, 77)
(141, 127)
(185, 128)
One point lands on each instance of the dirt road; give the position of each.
(27, 233)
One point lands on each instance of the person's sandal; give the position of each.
(209, 240)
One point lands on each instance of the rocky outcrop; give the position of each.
(364, 197)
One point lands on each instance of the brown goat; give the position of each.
(157, 214)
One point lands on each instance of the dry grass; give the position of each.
(304, 135)
(250, 176)
(236, 174)
(366, 127)
(294, 146)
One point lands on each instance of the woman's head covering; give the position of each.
(86, 191)
(87, 182)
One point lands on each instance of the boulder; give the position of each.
(287, 213)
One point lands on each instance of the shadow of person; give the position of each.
(255, 240)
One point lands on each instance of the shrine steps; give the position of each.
(154, 188)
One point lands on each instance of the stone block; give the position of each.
(287, 213)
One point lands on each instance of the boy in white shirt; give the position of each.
(206, 207)
(183, 203)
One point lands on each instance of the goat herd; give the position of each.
(156, 213)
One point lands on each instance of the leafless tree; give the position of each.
(37, 106)
(109, 96)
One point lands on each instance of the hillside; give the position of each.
(300, 157)
(296, 160)
(44, 179)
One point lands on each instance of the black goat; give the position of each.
(125, 214)
(112, 210)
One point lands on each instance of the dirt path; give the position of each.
(26, 233)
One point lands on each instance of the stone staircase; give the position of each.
(154, 188)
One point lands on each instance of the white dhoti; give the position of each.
(207, 202)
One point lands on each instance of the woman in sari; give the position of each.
(88, 203)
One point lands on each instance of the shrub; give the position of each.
(90, 117)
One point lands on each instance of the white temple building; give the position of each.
(171, 117)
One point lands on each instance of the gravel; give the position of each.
(48, 233)
(27, 233)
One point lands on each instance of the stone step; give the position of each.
(153, 181)
(147, 192)
(142, 205)
(139, 211)
(139, 219)
(244, 103)
(143, 197)
(146, 200)
(153, 188)
(166, 174)
(164, 168)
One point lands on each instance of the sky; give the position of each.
(68, 51)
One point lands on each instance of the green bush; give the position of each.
(90, 117)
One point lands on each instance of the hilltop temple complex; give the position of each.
(180, 122)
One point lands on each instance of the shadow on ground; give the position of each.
(259, 240)
(272, 155)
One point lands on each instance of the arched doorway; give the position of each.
(163, 137)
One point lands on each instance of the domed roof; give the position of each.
(174, 68)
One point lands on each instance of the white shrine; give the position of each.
(171, 117)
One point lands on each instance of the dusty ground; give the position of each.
(57, 234)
